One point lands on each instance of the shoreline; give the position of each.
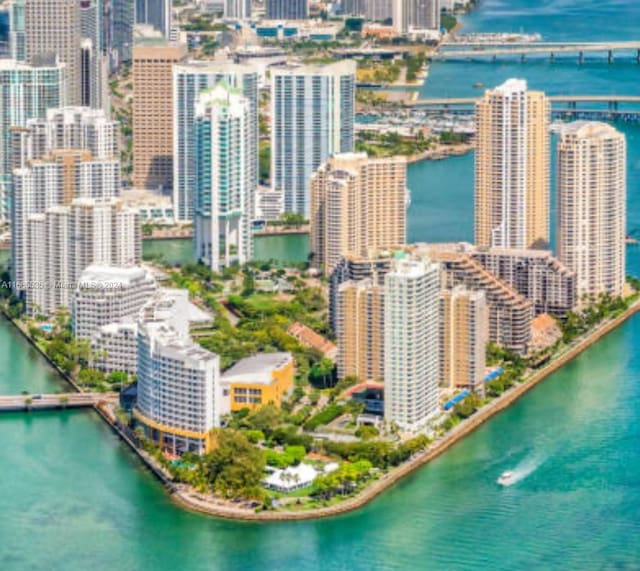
(186, 499)
(465, 428)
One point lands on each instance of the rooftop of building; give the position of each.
(175, 343)
(95, 276)
(257, 368)
(590, 129)
(170, 304)
(309, 337)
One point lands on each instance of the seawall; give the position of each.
(394, 476)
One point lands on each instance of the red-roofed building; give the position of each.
(309, 338)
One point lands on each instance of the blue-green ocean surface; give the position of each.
(72, 497)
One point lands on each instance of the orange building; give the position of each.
(258, 380)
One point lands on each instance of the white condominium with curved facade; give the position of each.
(190, 79)
(177, 385)
(512, 168)
(592, 206)
(411, 291)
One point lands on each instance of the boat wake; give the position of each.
(523, 469)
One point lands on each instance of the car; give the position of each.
(36, 397)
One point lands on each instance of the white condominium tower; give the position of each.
(313, 116)
(411, 291)
(512, 168)
(358, 206)
(592, 206)
(410, 15)
(54, 27)
(189, 80)
(26, 92)
(64, 240)
(225, 177)
(72, 153)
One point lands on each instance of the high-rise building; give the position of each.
(94, 61)
(510, 312)
(53, 27)
(237, 9)
(26, 92)
(122, 16)
(512, 168)
(543, 279)
(358, 205)
(224, 178)
(16, 31)
(416, 15)
(287, 9)
(592, 206)
(106, 294)
(156, 13)
(313, 117)
(64, 240)
(411, 293)
(72, 153)
(464, 334)
(360, 329)
(189, 80)
(153, 113)
(179, 394)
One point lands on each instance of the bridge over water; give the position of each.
(625, 107)
(552, 50)
(54, 401)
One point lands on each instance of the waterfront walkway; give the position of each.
(55, 401)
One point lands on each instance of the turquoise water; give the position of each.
(286, 248)
(73, 498)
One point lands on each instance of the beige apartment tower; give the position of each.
(592, 206)
(53, 27)
(464, 334)
(360, 329)
(512, 168)
(358, 205)
(153, 113)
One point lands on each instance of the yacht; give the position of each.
(506, 478)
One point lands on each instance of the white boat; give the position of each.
(506, 478)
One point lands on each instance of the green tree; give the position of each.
(234, 468)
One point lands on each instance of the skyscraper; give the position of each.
(360, 329)
(152, 113)
(72, 153)
(416, 14)
(287, 9)
(313, 116)
(156, 13)
(64, 240)
(94, 61)
(122, 16)
(189, 80)
(16, 31)
(411, 291)
(592, 206)
(224, 178)
(53, 27)
(26, 92)
(358, 205)
(464, 334)
(237, 9)
(512, 168)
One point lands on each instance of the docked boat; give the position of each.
(506, 478)
(478, 85)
